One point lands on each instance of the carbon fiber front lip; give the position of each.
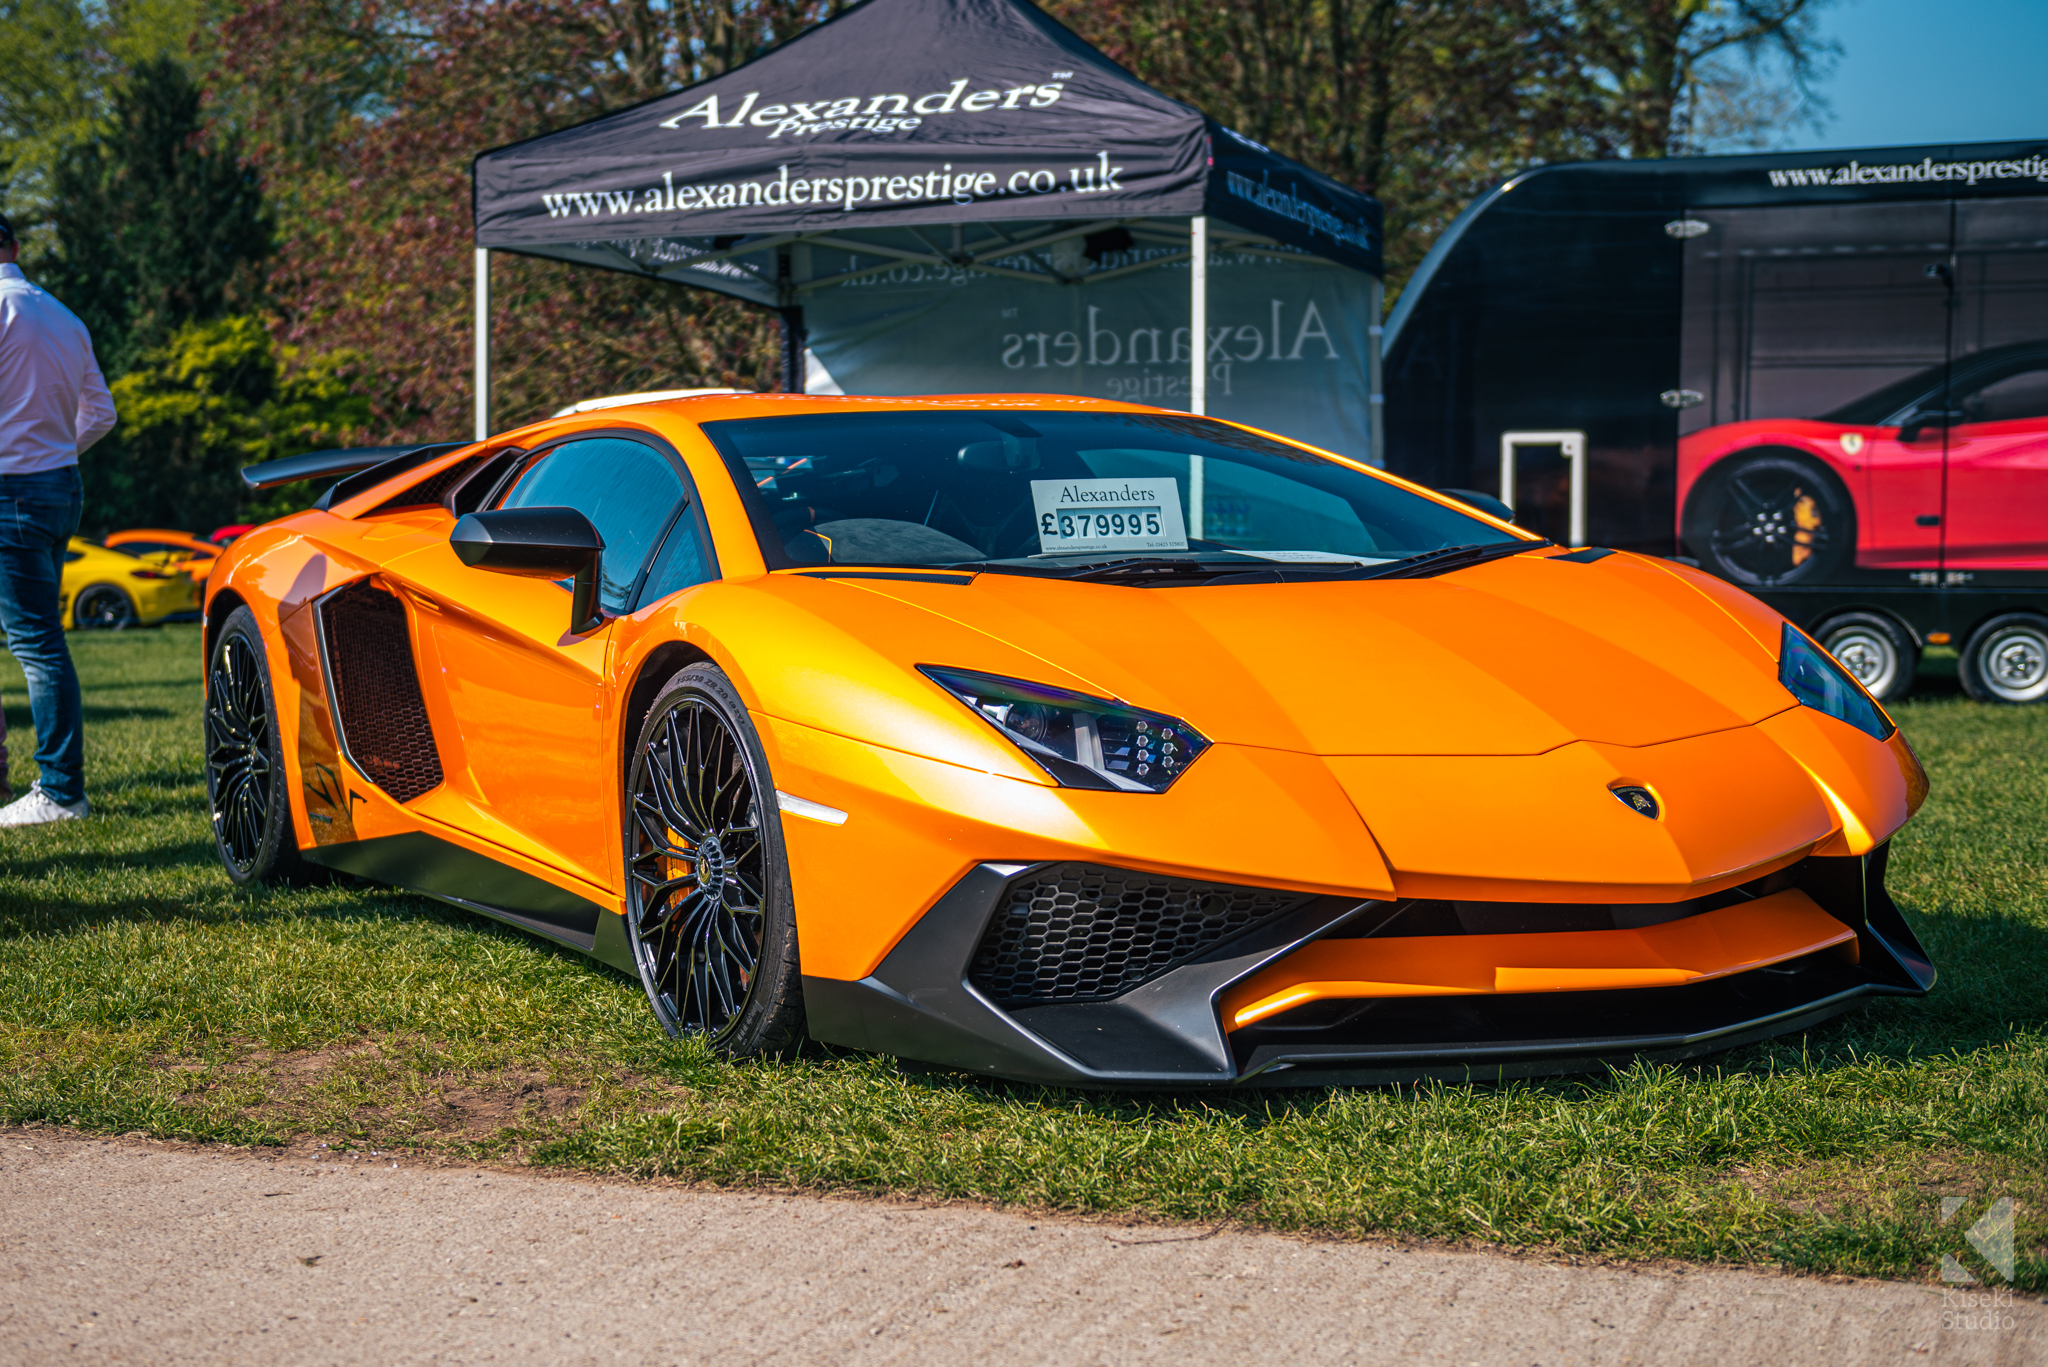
(918, 1004)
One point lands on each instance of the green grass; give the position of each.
(139, 991)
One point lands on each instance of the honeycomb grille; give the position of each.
(377, 691)
(430, 490)
(1079, 933)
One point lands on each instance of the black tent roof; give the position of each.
(983, 118)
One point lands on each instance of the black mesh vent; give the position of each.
(428, 491)
(377, 690)
(1079, 933)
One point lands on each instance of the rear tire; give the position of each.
(1771, 517)
(2006, 660)
(708, 903)
(102, 607)
(1875, 649)
(246, 792)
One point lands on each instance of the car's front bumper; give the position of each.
(1126, 1010)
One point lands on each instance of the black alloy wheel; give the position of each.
(102, 607)
(245, 778)
(708, 900)
(1770, 519)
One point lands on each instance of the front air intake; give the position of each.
(1075, 932)
(376, 690)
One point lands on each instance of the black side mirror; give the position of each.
(1485, 503)
(537, 543)
(1919, 420)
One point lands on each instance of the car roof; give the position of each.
(662, 413)
(153, 534)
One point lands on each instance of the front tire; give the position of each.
(2006, 660)
(103, 607)
(708, 903)
(1770, 518)
(1875, 649)
(245, 778)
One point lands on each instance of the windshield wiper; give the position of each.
(1163, 571)
(1431, 563)
(1155, 568)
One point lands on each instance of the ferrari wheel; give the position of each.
(245, 786)
(1771, 518)
(708, 899)
(1875, 649)
(103, 608)
(2006, 660)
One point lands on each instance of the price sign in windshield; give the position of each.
(1076, 515)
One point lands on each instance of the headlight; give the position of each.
(1081, 741)
(1817, 679)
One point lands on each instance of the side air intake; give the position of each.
(376, 690)
(1074, 932)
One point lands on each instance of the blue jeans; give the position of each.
(38, 517)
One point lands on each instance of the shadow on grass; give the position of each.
(213, 900)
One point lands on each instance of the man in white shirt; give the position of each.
(53, 404)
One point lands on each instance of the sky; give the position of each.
(1925, 71)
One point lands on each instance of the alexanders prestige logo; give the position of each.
(870, 113)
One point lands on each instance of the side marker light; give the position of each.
(809, 810)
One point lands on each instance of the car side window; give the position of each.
(628, 490)
(685, 560)
(2011, 399)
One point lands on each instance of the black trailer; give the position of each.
(1823, 376)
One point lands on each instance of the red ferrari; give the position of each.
(1945, 469)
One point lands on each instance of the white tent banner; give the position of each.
(1287, 337)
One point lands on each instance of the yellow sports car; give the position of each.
(1058, 739)
(107, 590)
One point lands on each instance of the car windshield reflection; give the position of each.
(1049, 491)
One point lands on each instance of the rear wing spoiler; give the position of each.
(361, 467)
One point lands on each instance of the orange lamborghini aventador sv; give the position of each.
(1057, 739)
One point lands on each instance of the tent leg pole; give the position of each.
(1198, 312)
(1375, 379)
(792, 351)
(483, 344)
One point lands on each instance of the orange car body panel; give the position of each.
(1714, 944)
(1450, 737)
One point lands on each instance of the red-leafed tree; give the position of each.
(365, 116)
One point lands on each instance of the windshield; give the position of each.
(1021, 488)
(1884, 406)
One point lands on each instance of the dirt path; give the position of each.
(126, 1251)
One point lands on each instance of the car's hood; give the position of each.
(1515, 657)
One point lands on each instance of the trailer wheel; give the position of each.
(1875, 649)
(2006, 660)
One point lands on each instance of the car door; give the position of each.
(529, 700)
(1998, 474)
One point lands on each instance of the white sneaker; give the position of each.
(37, 809)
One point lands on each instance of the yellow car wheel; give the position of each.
(103, 607)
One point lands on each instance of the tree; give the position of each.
(367, 114)
(1660, 77)
(58, 66)
(213, 397)
(159, 224)
(1424, 103)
